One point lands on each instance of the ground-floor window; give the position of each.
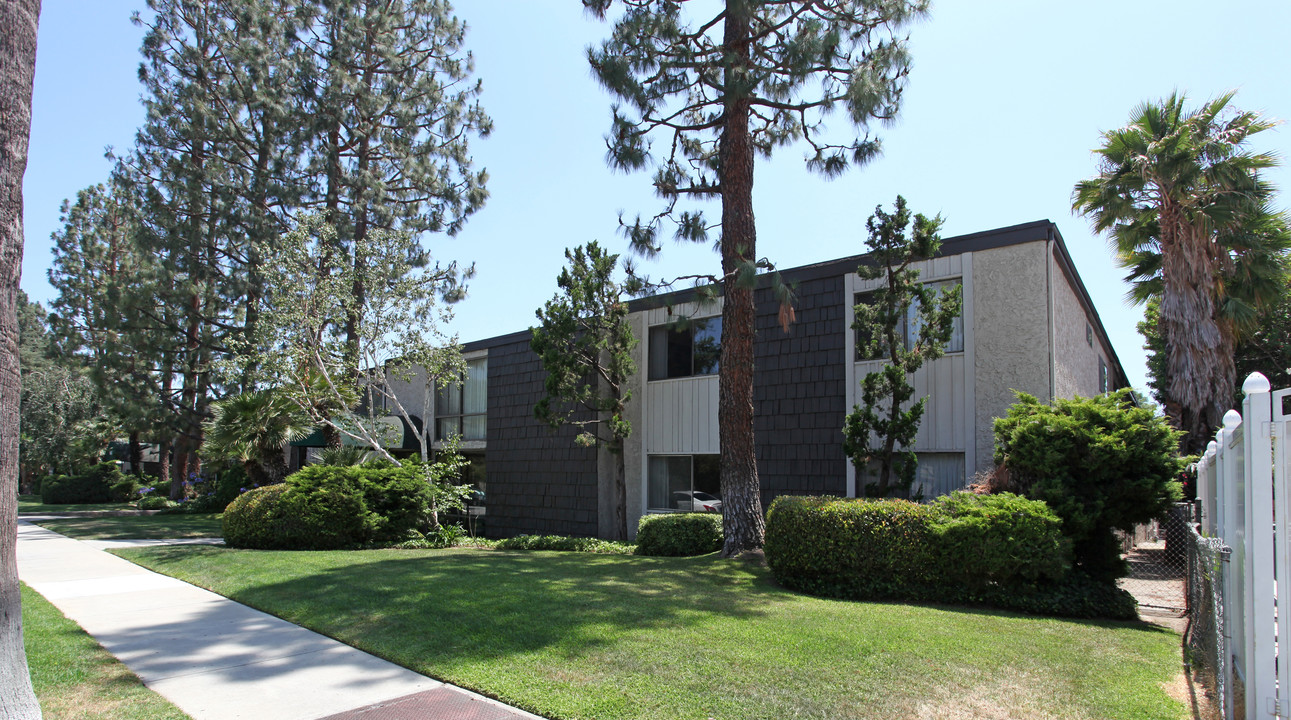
(938, 474)
(684, 483)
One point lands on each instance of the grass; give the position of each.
(137, 527)
(32, 504)
(570, 636)
(75, 677)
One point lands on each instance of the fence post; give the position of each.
(1206, 490)
(1282, 548)
(1261, 629)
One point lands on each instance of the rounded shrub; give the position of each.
(325, 507)
(1101, 463)
(998, 550)
(859, 549)
(679, 534)
(1004, 538)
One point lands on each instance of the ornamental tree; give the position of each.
(716, 91)
(304, 343)
(585, 344)
(1101, 463)
(905, 323)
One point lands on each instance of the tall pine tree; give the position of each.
(717, 91)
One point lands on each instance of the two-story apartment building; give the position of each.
(1027, 324)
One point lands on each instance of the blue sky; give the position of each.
(1005, 102)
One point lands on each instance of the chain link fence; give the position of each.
(1157, 555)
(1204, 649)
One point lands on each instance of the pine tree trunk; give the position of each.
(18, 21)
(742, 519)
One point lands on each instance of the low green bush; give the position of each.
(565, 544)
(329, 507)
(156, 502)
(102, 483)
(679, 534)
(997, 550)
(997, 539)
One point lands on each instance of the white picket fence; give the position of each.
(1242, 483)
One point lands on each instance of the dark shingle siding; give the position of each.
(539, 481)
(799, 392)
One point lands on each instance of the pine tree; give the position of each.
(585, 344)
(905, 323)
(393, 108)
(753, 77)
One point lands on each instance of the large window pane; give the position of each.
(679, 482)
(680, 353)
(448, 400)
(475, 427)
(938, 474)
(707, 340)
(683, 353)
(668, 475)
(475, 395)
(707, 474)
(447, 427)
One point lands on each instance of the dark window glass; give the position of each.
(684, 483)
(678, 353)
(707, 345)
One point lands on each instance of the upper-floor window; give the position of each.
(1102, 376)
(692, 350)
(461, 407)
(908, 326)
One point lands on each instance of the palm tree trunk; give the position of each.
(1196, 358)
(18, 21)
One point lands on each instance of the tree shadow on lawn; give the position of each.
(440, 608)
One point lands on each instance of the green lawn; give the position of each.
(136, 527)
(571, 635)
(32, 504)
(75, 677)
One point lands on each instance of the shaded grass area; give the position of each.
(32, 504)
(75, 677)
(601, 636)
(137, 527)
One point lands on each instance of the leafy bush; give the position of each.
(102, 483)
(1003, 551)
(326, 507)
(1101, 463)
(868, 549)
(156, 502)
(565, 544)
(1004, 538)
(679, 534)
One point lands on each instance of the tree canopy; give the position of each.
(1183, 199)
(699, 97)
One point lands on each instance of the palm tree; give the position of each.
(1187, 211)
(253, 428)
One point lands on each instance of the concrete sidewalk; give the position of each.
(217, 659)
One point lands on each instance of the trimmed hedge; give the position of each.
(102, 483)
(324, 507)
(679, 534)
(999, 550)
